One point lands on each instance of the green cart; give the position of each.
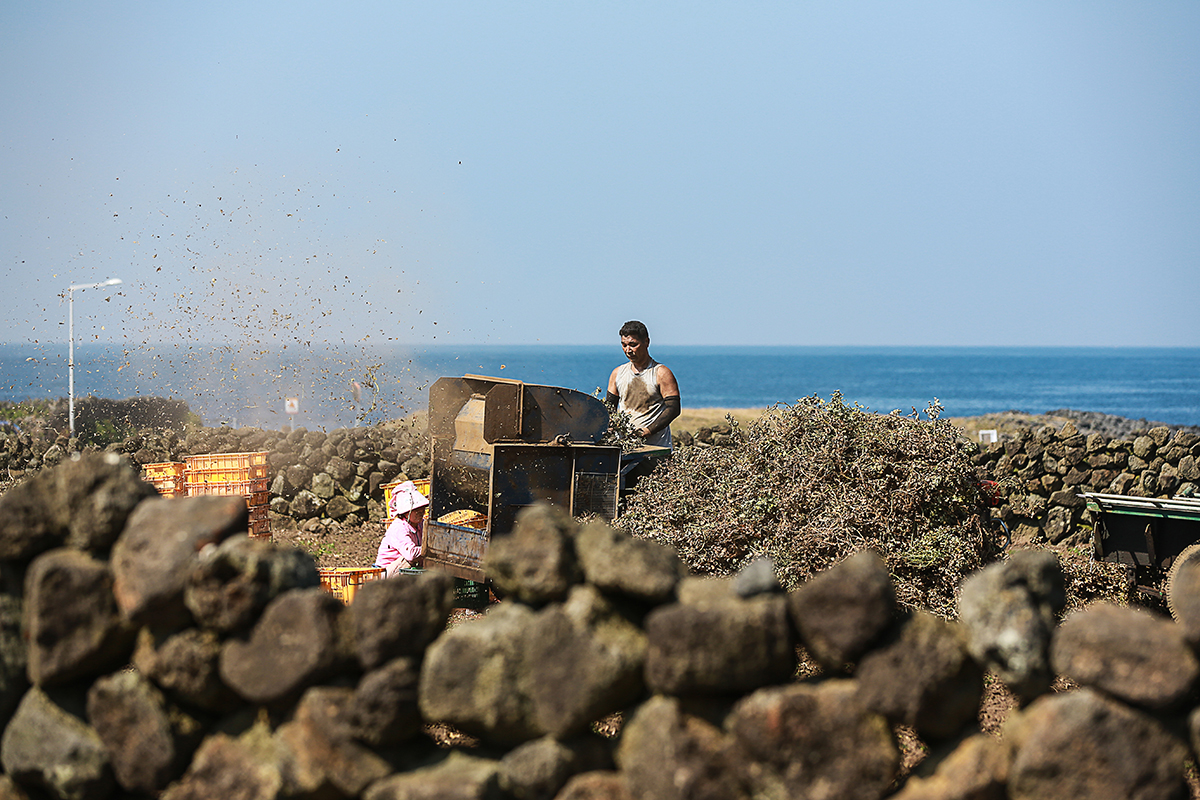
(1150, 536)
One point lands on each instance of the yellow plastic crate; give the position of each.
(466, 518)
(344, 582)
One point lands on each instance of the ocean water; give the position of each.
(249, 386)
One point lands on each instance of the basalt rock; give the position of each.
(1128, 653)
(536, 563)
(159, 548)
(1009, 611)
(842, 611)
(728, 645)
(48, 746)
(1082, 744)
(75, 628)
(813, 740)
(233, 582)
(923, 677)
(149, 742)
(298, 641)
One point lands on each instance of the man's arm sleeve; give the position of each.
(671, 410)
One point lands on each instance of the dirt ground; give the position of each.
(334, 545)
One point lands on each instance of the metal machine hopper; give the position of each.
(500, 445)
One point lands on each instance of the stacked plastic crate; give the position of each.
(167, 477)
(234, 474)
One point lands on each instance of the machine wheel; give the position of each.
(1190, 553)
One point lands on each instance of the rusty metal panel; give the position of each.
(505, 406)
(551, 411)
(456, 549)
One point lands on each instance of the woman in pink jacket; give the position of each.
(401, 545)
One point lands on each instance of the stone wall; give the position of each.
(336, 476)
(150, 650)
(314, 475)
(1042, 473)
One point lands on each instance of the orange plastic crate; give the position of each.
(163, 469)
(260, 529)
(166, 477)
(257, 490)
(226, 467)
(344, 582)
(259, 513)
(227, 460)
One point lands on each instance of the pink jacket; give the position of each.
(402, 540)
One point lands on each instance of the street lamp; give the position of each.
(71, 335)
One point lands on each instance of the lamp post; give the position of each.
(71, 335)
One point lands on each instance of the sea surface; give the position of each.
(249, 386)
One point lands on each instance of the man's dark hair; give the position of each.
(635, 329)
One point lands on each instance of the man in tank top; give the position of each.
(644, 388)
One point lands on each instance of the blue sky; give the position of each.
(766, 173)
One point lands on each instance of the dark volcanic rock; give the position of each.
(74, 626)
(155, 555)
(537, 770)
(457, 777)
(149, 743)
(1127, 652)
(845, 609)
(99, 491)
(384, 709)
(400, 616)
(1010, 611)
(1081, 744)
(596, 785)
(582, 661)
(814, 741)
(977, 769)
(31, 519)
(470, 677)
(923, 678)
(83, 503)
(319, 753)
(535, 564)
(617, 563)
(297, 642)
(48, 745)
(245, 768)
(665, 753)
(186, 666)
(728, 646)
(233, 582)
(14, 658)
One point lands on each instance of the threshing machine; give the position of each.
(500, 445)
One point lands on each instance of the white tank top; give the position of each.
(641, 399)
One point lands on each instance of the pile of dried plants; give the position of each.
(811, 483)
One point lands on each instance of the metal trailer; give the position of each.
(1150, 536)
(500, 445)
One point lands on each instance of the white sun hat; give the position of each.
(405, 498)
